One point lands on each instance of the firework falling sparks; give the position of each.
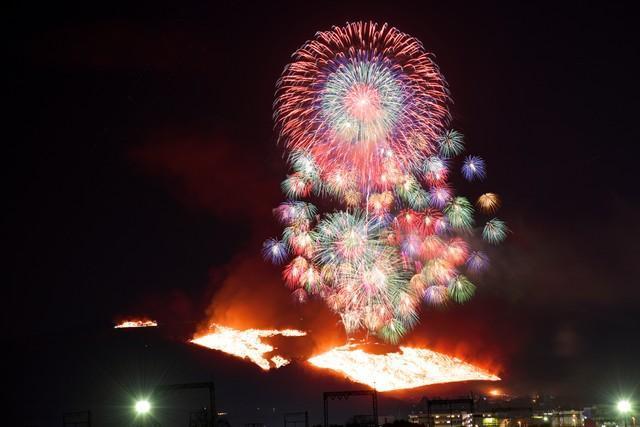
(247, 344)
(136, 323)
(408, 368)
(363, 113)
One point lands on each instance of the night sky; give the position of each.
(143, 166)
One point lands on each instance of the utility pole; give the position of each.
(339, 395)
(213, 414)
(292, 419)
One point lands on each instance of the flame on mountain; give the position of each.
(409, 368)
(136, 323)
(247, 344)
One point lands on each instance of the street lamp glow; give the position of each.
(624, 406)
(143, 407)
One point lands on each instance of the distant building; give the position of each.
(606, 416)
(503, 416)
(444, 413)
(566, 418)
(470, 412)
(507, 411)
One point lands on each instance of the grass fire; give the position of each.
(136, 323)
(247, 344)
(407, 368)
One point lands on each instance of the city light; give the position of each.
(624, 406)
(143, 407)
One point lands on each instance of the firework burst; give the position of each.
(474, 168)
(495, 231)
(460, 213)
(275, 251)
(363, 113)
(477, 262)
(488, 202)
(362, 97)
(451, 143)
(460, 289)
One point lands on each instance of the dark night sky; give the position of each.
(143, 167)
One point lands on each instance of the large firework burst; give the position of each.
(363, 113)
(363, 97)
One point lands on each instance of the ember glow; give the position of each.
(142, 323)
(409, 368)
(495, 392)
(247, 344)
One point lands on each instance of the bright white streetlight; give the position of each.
(143, 407)
(624, 406)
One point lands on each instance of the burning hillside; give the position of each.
(247, 344)
(407, 368)
(136, 323)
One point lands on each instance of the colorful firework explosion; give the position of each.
(364, 98)
(363, 112)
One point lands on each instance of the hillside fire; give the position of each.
(407, 368)
(136, 323)
(247, 344)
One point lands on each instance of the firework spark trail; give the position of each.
(363, 112)
(247, 344)
(408, 368)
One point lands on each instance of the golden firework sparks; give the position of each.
(488, 202)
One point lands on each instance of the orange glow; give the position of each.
(409, 368)
(495, 392)
(136, 323)
(247, 344)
